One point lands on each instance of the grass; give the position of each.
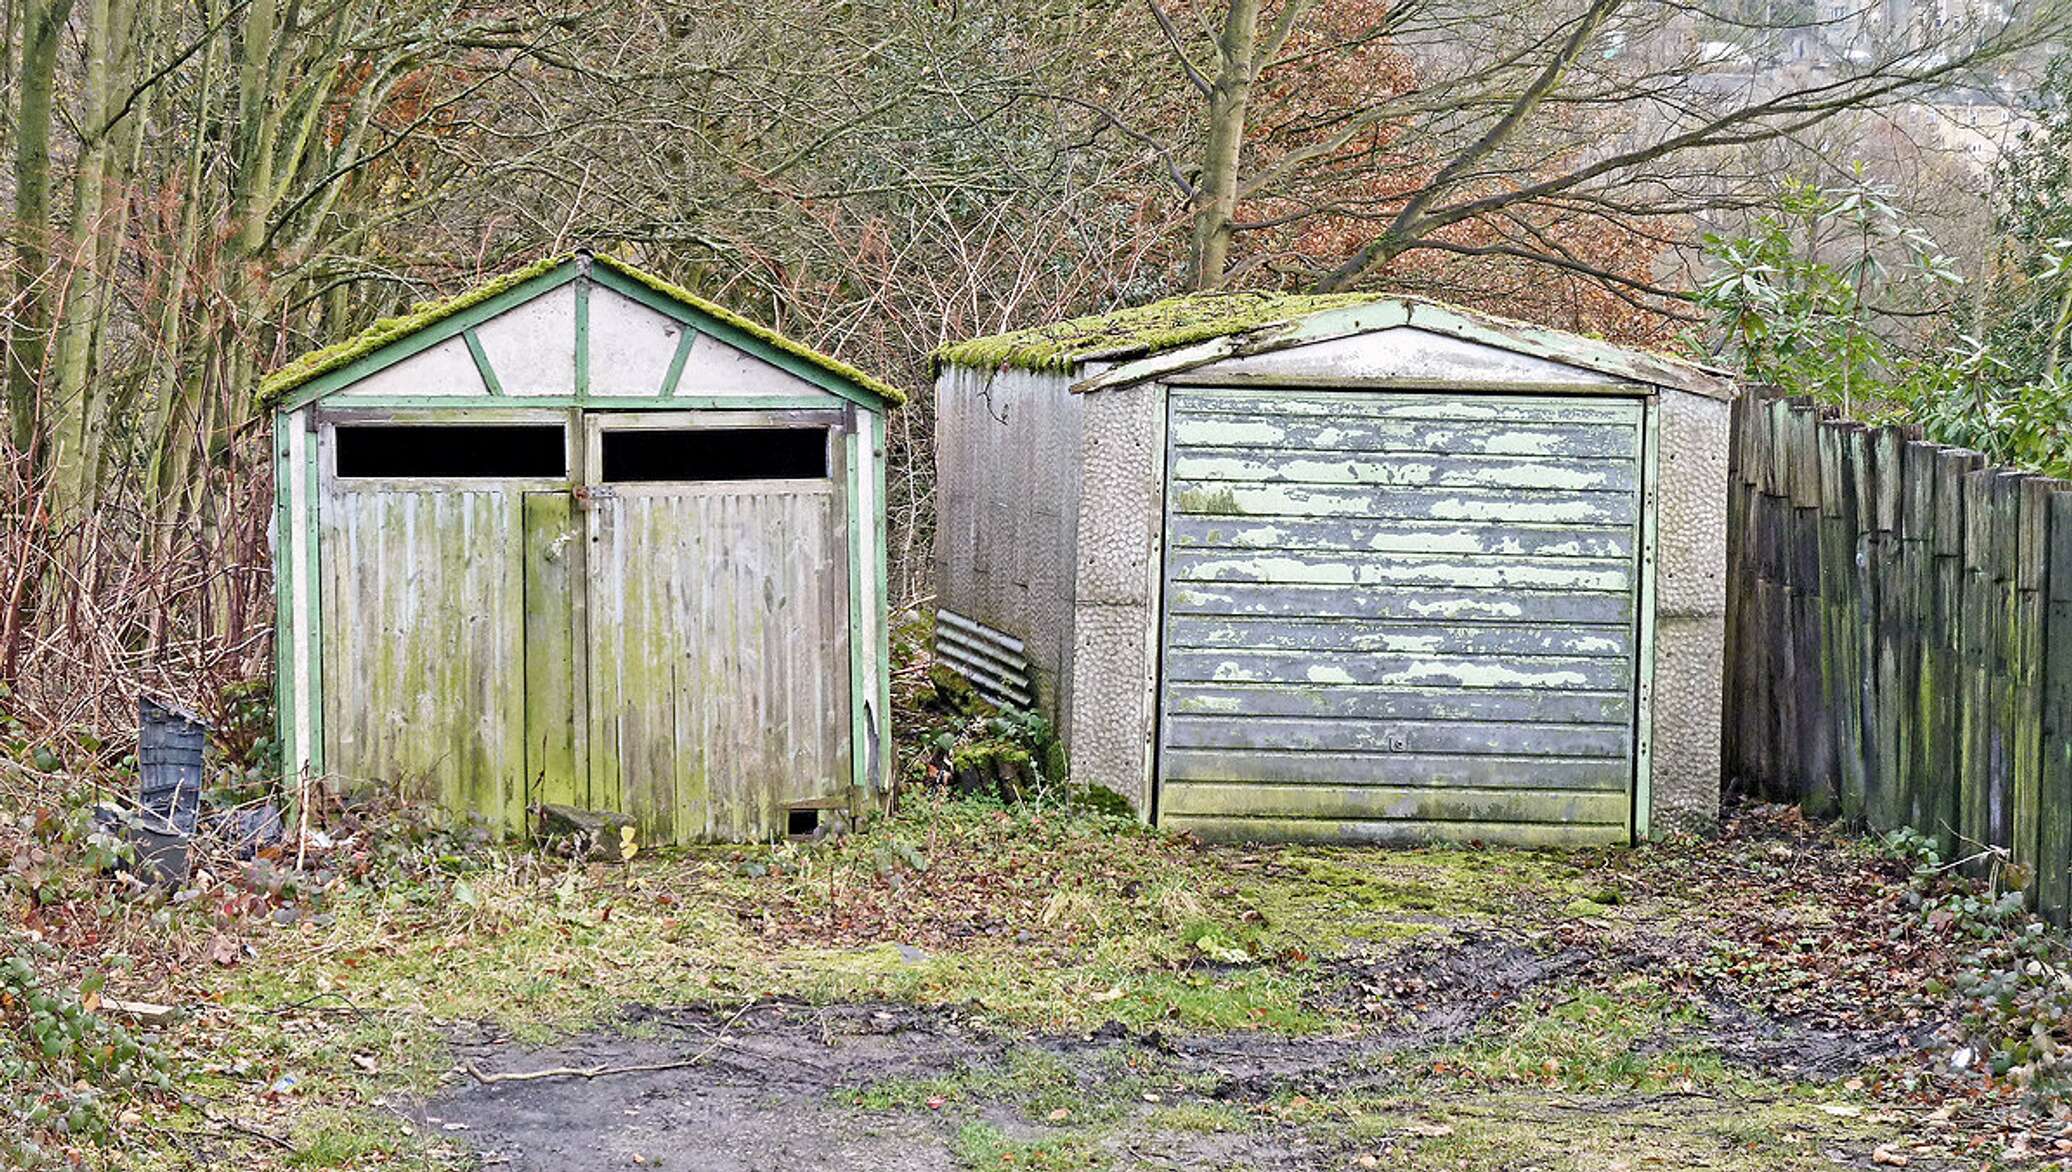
(1033, 924)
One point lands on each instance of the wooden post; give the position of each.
(2003, 656)
(1974, 623)
(2031, 553)
(2054, 770)
(1737, 570)
(1819, 791)
(1842, 609)
(1944, 678)
(1920, 786)
(1783, 674)
(1881, 500)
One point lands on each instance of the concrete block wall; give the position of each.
(1115, 615)
(1690, 610)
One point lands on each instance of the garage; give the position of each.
(581, 539)
(1358, 568)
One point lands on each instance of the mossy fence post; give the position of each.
(1899, 634)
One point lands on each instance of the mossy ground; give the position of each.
(1039, 927)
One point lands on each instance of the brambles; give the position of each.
(65, 1068)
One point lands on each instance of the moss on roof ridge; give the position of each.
(761, 333)
(1166, 324)
(324, 360)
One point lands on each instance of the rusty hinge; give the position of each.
(587, 493)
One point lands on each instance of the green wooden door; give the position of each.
(717, 644)
(1401, 616)
(556, 770)
(422, 654)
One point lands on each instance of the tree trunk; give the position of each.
(43, 22)
(75, 454)
(1216, 206)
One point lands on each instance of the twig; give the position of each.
(234, 1125)
(587, 1072)
(602, 1071)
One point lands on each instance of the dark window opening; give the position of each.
(801, 823)
(715, 453)
(470, 451)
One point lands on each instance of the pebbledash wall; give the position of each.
(1350, 568)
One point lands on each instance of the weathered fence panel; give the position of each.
(1899, 638)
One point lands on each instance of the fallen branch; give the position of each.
(228, 1123)
(584, 1072)
(601, 1071)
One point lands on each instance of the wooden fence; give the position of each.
(1899, 638)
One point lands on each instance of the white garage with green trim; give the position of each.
(579, 537)
(1344, 569)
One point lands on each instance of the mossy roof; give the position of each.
(390, 330)
(1181, 321)
(1145, 329)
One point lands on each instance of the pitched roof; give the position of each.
(1190, 329)
(338, 355)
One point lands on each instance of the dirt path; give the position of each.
(784, 1085)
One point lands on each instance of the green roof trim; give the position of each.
(390, 330)
(761, 333)
(1146, 329)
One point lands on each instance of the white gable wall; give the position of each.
(444, 369)
(1403, 357)
(631, 346)
(532, 347)
(532, 350)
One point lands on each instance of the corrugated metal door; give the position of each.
(1400, 616)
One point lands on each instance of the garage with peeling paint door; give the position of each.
(1346, 569)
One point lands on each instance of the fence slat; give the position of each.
(2054, 771)
(1841, 594)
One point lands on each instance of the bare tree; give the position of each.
(1520, 132)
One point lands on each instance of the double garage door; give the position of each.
(1398, 617)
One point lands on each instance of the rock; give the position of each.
(603, 836)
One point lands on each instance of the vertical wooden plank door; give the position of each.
(555, 771)
(419, 650)
(718, 629)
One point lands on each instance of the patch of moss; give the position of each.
(1145, 329)
(1749, 1131)
(982, 1145)
(1102, 800)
